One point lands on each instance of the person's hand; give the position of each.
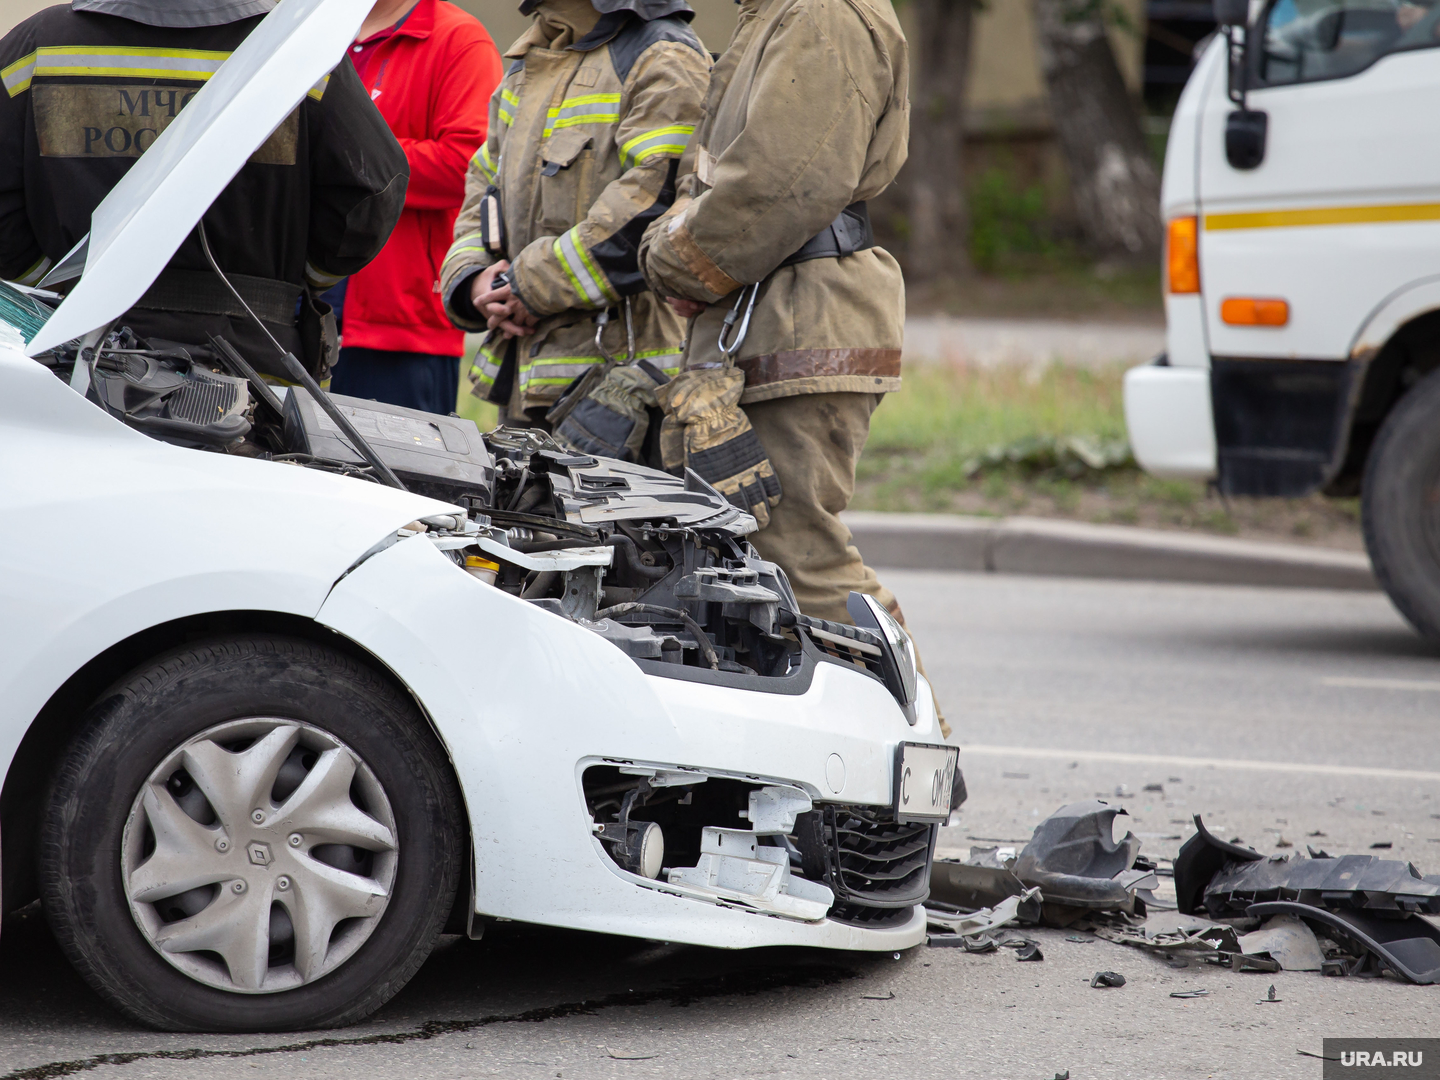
(501, 307)
(686, 309)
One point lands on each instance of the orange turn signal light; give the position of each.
(1254, 311)
(1182, 255)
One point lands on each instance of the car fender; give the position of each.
(523, 700)
(109, 533)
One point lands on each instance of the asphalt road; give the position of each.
(1277, 714)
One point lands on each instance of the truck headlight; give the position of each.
(898, 659)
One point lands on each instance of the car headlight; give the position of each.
(898, 654)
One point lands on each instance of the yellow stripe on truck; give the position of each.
(1324, 215)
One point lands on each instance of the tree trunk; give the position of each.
(1113, 181)
(933, 179)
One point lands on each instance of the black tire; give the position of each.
(1400, 502)
(154, 710)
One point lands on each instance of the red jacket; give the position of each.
(431, 80)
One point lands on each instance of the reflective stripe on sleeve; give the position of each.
(585, 109)
(319, 279)
(318, 90)
(33, 275)
(482, 161)
(16, 76)
(591, 286)
(509, 102)
(486, 367)
(670, 141)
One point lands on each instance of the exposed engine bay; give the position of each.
(656, 564)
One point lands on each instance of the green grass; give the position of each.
(951, 414)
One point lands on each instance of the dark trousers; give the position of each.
(413, 380)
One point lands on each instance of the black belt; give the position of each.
(201, 292)
(847, 234)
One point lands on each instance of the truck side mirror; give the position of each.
(1245, 131)
(1232, 12)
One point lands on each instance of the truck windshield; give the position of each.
(1307, 40)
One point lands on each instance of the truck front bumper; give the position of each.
(1171, 423)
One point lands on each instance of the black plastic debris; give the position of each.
(1408, 945)
(1189, 993)
(1107, 978)
(1077, 864)
(1221, 880)
(1385, 844)
(1200, 859)
(1030, 951)
(966, 887)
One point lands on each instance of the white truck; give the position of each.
(1301, 195)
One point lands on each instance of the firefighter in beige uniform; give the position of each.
(806, 117)
(586, 133)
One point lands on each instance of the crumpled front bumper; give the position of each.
(523, 700)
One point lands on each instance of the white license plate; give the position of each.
(924, 781)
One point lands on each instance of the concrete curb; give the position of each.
(1022, 545)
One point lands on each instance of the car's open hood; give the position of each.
(148, 214)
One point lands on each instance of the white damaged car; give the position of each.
(290, 685)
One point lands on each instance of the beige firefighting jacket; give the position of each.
(807, 113)
(584, 146)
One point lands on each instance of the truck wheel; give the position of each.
(251, 834)
(1400, 502)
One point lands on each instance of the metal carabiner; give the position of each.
(729, 351)
(601, 321)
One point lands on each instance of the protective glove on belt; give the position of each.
(706, 430)
(611, 416)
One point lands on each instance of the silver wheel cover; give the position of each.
(259, 855)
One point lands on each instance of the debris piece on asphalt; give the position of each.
(878, 997)
(1153, 902)
(1219, 879)
(1287, 940)
(1200, 859)
(1281, 842)
(1189, 993)
(1268, 998)
(1107, 978)
(1079, 940)
(1408, 946)
(1317, 832)
(966, 887)
(1155, 787)
(1383, 844)
(1075, 861)
(1030, 951)
(1063, 1076)
(971, 943)
(1261, 962)
(986, 918)
(620, 1055)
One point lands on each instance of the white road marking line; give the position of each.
(1379, 684)
(1197, 762)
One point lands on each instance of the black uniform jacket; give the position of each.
(84, 94)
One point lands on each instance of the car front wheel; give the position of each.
(251, 834)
